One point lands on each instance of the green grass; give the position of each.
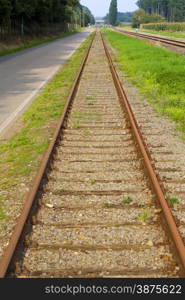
(127, 200)
(36, 42)
(165, 33)
(2, 216)
(21, 155)
(158, 73)
(175, 34)
(92, 181)
(171, 27)
(109, 205)
(76, 125)
(85, 115)
(86, 132)
(79, 114)
(90, 103)
(90, 97)
(173, 200)
(143, 217)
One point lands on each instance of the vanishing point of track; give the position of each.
(96, 208)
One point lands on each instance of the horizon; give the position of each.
(100, 9)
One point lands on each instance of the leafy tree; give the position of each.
(43, 12)
(172, 10)
(121, 17)
(88, 18)
(124, 17)
(113, 11)
(5, 11)
(154, 18)
(106, 19)
(141, 17)
(138, 17)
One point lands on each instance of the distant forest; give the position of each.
(125, 17)
(121, 17)
(171, 10)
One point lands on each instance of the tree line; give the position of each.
(171, 10)
(121, 17)
(124, 16)
(140, 16)
(114, 17)
(45, 12)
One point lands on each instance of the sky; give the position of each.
(99, 8)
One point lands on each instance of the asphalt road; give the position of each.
(24, 73)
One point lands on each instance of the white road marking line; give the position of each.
(13, 116)
(25, 102)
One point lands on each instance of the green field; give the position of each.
(158, 73)
(175, 29)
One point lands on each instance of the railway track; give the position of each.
(164, 40)
(96, 208)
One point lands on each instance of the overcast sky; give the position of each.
(99, 8)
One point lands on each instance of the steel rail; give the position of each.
(45, 165)
(49, 156)
(148, 164)
(155, 38)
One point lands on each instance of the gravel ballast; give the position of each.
(97, 215)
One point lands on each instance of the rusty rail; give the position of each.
(151, 172)
(154, 38)
(50, 155)
(45, 165)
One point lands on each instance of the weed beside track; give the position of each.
(158, 73)
(21, 155)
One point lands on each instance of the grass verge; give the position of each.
(158, 73)
(175, 34)
(35, 42)
(21, 155)
(165, 33)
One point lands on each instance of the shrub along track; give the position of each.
(98, 209)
